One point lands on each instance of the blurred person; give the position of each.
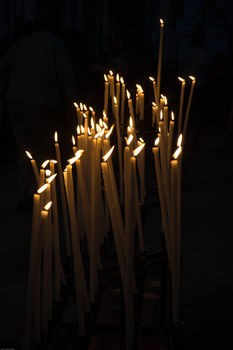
(40, 83)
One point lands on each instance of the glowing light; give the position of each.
(91, 109)
(73, 140)
(108, 154)
(81, 106)
(192, 78)
(100, 122)
(122, 80)
(131, 122)
(153, 104)
(117, 78)
(141, 140)
(55, 136)
(105, 125)
(85, 107)
(28, 154)
(157, 140)
(75, 104)
(152, 79)
(104, 114)
(92, 123)
(115, 100)
(172, 116)
(165, 101)
(129, 140)
(54, 161)
(82, 129)
(137, 150)
(47, 206)
(98, 128)
(48, 172)
(161, 22)
(78, 130)
(179, 141)
(51, 178)
(111, 72)
(128, 94)
(45, 163)
(163, 97)
(181, 79)
(79, 154)
(84, 115)
(161, 115)
(109, 132)
(42, 189)
(89, 131)
(177, 153)
(105, 77)
(139, 88)
(72, 160)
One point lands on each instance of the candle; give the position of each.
(106, 87)
(119, 148)
(141, 168)
(74, 143)
(188, 107)
(160, 56)
(181, 104)
(63, 198)
(122, 100)
(118, 87)
(170, 137)
(34, 167)
(77, 112)
(155, 90)
(131, 112)
(165, 113)
(78, 137)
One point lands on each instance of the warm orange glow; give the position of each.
(153, 104)
(128, 94)
(159, 130)
(85, 107)
(55, 136)
(104, 114)
(141, 140)
(82, 129)
(179, 141)
(81, 106)
(92, 123)
(122, 80)
(79, 154)
(45, 163)
(102, 132)
(162, 96)
(78, 130)
(115, 100)
(152, 79)
(161, 115)
(28, 154)
(89, 131)
(42, 189)
(97, 135)
(109, 132)
(72, 160)
(105, 77)
(177, 153)
(140, 90)
(111, 72)
(100, 122)
(181, 79)
(47, 206)
(73, 140)
(108, 154)
(165, 100)
(157, 140)
(192, 78)
(172, 116)
(51, 178)
(91, 109)
(53, 161)
(98, 128)
(117, 78)
(129, 129)
(48, 172)
(129, 140)
(105, 125)
(137, 150)
(131, 122)
(161, 22)
(75, 104)
(84, 115)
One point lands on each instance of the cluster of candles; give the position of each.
(92, 199)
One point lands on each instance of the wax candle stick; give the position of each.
(78, 137)
(180, 117)
(188, 107)
(118, 86)
(170, 137)
(74, 145)
(155, 90)
(106, 88)
(160, 56)
(165, 113)
(141, 168)
(122, 100)
(63, 198)
(131, 111)
(34, 167)
(77, 112)
(119, 148)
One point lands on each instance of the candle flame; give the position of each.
(91, 109)
(140, 90)
(92, 123)
(82, 129)
(122, 80)
(179, 141)
(181, 79)
(54, 161)
(73, 140)
(129, 129)
(131, 122)
(129, 140)
(78, 130)
(161, 115)
(98, 128)
(192, 78)
(117, 78)
(137, 150)
(76, 105)
(165, 99)
(157, 140)
(161, 22)
(81, 106)
(141, 140)
(48, 172)
(47, 206)
(159, 130)
(85, 107)
(79, 153)
(102, 132)
(152, 79)
(89, 131)
(51, 178)
(99, 134)
(105, 77)
(108, 154)
(45, 163)
(72, 160)
(172, 116)
(100, 122)
(153, 104)
(55, 136)
(177, 153)
(128, 94)
(109, 132)
(42, 189)
(111, 72)
(28, 154)
(105, 125)
(84, 115)
(115, 100)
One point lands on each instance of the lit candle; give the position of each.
(188, 107)
(180, 118)
(131, 112)
(63, 198)
(118, 87)
(170, 137)
(119, 148)
(141, 168)
(77, 112)
(165, 113)
(155, 90)
(122, 100)
(74, 144)
(34, 167)
(106, 87)
(160, 56)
